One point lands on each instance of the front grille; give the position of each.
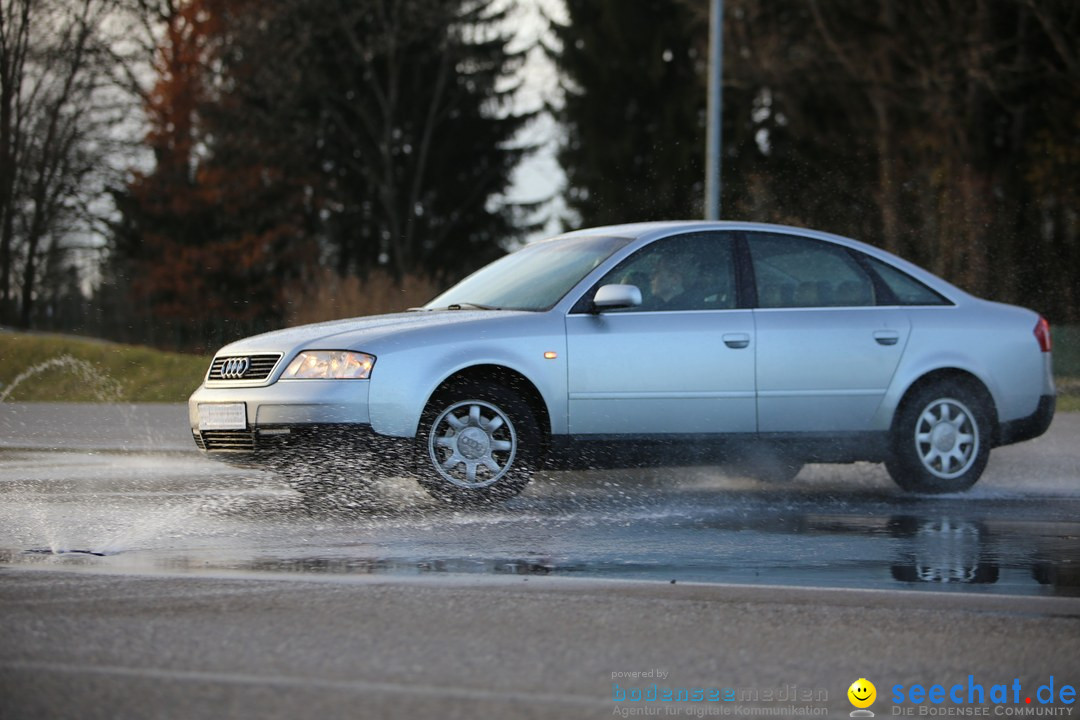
(226, 440)
(259, 366)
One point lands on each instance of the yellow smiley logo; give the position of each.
(862, 693)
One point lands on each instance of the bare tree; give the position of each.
(54, 132)
(14, 47)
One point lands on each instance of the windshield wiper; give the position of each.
(474, 306)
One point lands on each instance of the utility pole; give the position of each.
(713, 144)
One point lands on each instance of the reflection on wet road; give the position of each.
(845, 526)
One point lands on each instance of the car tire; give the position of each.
(479, 445)
(941, 439)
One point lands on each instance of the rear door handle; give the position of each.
(887, 337)
(737, 341)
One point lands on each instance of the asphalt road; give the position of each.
(93, 645)
(216, 592)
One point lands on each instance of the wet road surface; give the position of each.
(138, 579)
(146, 503)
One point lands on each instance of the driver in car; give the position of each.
(672, 283)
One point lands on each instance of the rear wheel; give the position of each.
(940, 439)
(479, 444)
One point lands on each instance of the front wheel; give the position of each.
(941, 440)
(480, 444)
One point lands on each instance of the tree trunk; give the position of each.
(887, 200)
(14, 29)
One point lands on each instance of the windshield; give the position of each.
(533, 278)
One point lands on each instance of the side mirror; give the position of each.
(616, 297)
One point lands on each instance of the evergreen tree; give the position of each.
(403, 111)
(374, 134)
(944, 130)
(633, 110)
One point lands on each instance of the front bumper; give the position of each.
(269, 444)
(292, 417)
(290, 403)
(350, 451)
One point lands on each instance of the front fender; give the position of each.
(405, 378)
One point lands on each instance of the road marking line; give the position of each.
(307, 682)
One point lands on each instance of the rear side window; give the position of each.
(799, 272)
(908, 290)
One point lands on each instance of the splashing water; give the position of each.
(105, 389)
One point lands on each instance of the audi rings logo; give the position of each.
(235, 368)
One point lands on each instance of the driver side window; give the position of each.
(688, 272)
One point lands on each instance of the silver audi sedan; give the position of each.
(676, 343)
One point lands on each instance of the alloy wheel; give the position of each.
(473, 444)
(947, 438)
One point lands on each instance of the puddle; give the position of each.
(139, 513)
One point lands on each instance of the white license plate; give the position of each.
(222, 416)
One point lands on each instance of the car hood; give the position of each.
(354, 333)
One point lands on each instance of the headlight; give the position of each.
(330, 365)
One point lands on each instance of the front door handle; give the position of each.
(887, 337)
(737, 341)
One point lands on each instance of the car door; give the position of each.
(682, 362)
(826, 350)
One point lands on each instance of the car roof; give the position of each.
(648, 230)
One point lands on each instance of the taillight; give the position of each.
(1042, 334)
